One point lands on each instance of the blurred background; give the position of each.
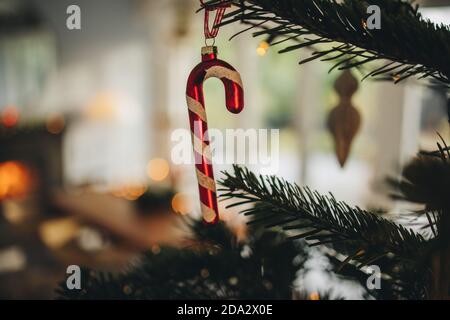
(86, 118)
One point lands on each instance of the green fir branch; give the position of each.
(215, 265)
(321, 220)
(416, 47)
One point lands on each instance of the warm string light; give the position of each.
(158, 169)
(156, 249)
(15, 180)
(58, 232)
(130, 192)
(181, 204)
(262, 48)
(102, 107)
(55, 124)
(10, 116)
(314, 296)
(233, 281)
(14, 213)
(127, 290)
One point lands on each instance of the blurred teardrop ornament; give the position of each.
(344, 120)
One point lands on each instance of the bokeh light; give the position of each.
(10, 116)
(314, 296)
(102, 107)
(181, 203)
(262, 48)
(14, 213)
(158, 169)
(57, 232)
(130, 192)
(15, 180)
(55, 124)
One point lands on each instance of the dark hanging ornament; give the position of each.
(344, 120)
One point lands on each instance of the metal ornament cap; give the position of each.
(209, 50)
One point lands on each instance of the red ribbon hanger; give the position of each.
(211, 33)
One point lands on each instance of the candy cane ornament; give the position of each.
(210, 67)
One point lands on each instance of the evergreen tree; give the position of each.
(414, 265)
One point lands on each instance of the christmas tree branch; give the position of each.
(321, 220)
(412, 45)
(215, 265)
